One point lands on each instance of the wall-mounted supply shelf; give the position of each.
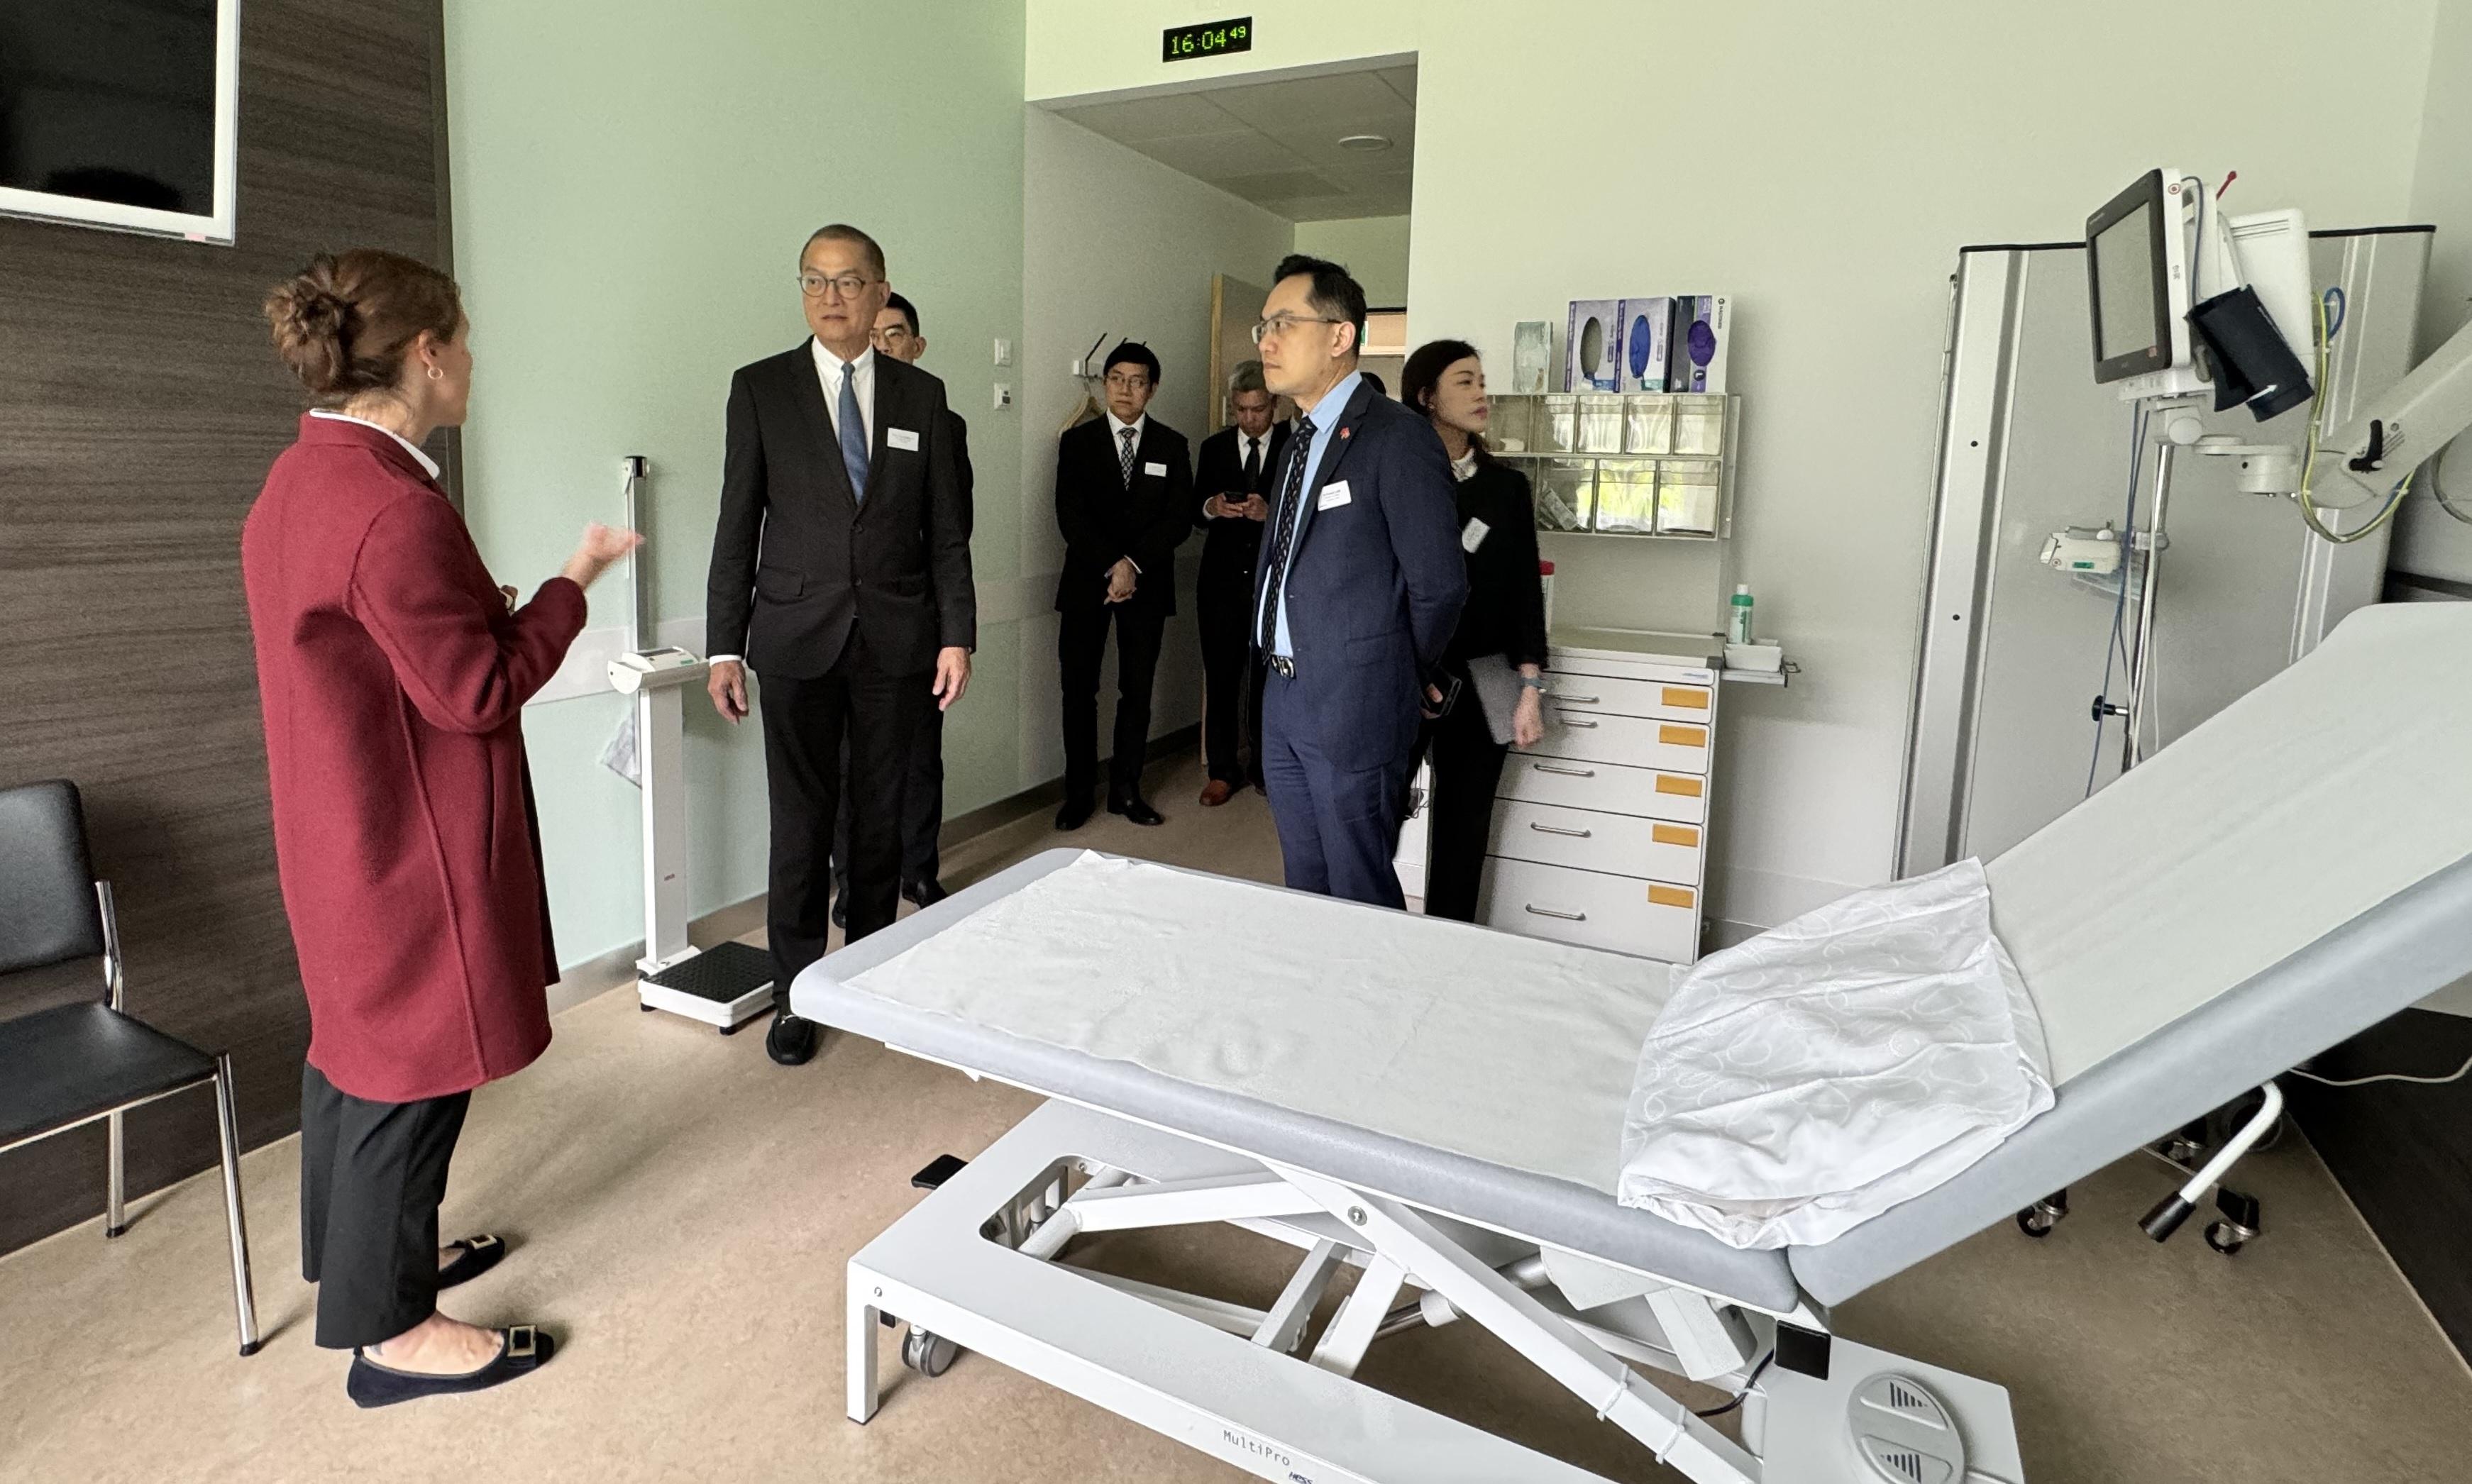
(1652, 464)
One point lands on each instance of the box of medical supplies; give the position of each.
(1593, 348)
(1695, 356)
(1648, 333)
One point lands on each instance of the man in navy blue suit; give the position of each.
(1358, 586)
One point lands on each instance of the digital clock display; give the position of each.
(1183, 43)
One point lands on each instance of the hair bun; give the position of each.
(312, 327)
(346, 323)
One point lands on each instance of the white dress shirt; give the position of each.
(1249, 448)
(1117, 428)
(828, 375)
(428, 465)
(828, 371)
(1464, 468)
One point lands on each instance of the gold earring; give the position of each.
(435, 374)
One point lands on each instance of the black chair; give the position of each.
(65, 1067)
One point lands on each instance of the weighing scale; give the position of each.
(730, 983)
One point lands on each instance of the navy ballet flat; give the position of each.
(473, 1257)
(521, 1351)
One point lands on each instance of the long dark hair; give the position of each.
(1424, 376)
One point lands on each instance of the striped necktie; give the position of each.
(1291, 491)
(1125, 459)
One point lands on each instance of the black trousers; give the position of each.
(371, 1175)
(1467, 772)
(922, 803)
(1231, 680)
(1080, 643)
(805, 724)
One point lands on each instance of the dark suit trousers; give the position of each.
(805, 722)
(1467, 772)
(1337, 828)
(1231, 681)
(371, 1175)
(922, 803)
(1080, 643)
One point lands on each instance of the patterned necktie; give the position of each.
(1125, 459)
(1252, 465)
(853, 432)
(1292, 490)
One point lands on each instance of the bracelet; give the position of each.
(1533, 682)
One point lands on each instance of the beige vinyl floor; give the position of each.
(680, 1210)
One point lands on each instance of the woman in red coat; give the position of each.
(393, 670)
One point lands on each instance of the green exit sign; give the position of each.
(1183, 43)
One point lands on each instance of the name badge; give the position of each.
(901, 437)
(1472, 534)
(1156, 470)
(1333, 495)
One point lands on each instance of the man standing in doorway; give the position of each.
(841, 571)
(922, 808)
(1124, 499)
(1360, 585)
(1235, 472)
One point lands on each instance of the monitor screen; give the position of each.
(117, 111)
(2124, 286)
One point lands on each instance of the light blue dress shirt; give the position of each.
(1325, 414)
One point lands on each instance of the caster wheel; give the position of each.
(2038, 1219)
(2225, 1238)
(929, 1354)
(641, 1006)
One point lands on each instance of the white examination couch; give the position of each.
(2291, 872)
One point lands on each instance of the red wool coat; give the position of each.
(393, 679)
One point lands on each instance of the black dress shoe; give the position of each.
(1075, 813)
(791, 1041)
(1136, 808)
(473, 1257)
(522, 1350)
(925, 893)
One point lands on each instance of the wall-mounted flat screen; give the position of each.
(120, 113)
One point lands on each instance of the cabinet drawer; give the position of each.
(1607, 788)
(1617, 844)
(1664, 701)
(1592, 909)
(1672, 746)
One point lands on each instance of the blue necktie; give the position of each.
(853, 430)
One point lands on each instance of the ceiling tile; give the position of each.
(1139, 120)
(1321, 146)
(1283, 184)
(1215, 157)
(1308, 102)
(1401, 80)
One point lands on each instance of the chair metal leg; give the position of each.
(243, 1300)
(116, 1219)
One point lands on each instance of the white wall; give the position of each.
(1821, 164)
(1112, 241)
(1373, 248)
(2427, 539)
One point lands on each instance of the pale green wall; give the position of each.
(632, 179)
(1373, 248)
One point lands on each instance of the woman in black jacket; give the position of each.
(1504, 625)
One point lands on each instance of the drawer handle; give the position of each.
(1567, 772)
(1556, 829)
(1547, 912)
(1577, 700)
(1586, 726)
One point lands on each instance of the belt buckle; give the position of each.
(1284, 666)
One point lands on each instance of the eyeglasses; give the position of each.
(848, 285)
(1282, 325)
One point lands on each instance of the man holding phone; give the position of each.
(1235, 471)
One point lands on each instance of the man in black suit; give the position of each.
(1124, 499)
(922, 799)
(1234, 473)
(1359, 586)
(841, 571)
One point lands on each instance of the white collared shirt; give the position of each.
(828, 371)
(1464, 468)
(428, 465)
(1248, 446)
(1117, 428)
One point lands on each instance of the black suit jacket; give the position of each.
(1104, 522)
(1375, 580)
(799, 563)
(1230, 546)
(1505, 602)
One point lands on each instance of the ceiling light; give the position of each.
(1366, 143)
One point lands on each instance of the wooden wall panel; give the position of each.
(140, 405)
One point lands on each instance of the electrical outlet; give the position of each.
(1003, 352)
(1004, 397)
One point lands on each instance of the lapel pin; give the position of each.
(1344, 431)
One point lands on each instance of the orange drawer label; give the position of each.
(1695, 701)
(1683, 735)
(1667, 783)
(1676, 835)
(1668, 896)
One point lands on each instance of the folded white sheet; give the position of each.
(1807, 1080)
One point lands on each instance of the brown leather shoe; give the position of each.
(1216, 792)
